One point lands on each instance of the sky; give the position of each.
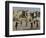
(32, 9)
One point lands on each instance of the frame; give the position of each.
(23, 6)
